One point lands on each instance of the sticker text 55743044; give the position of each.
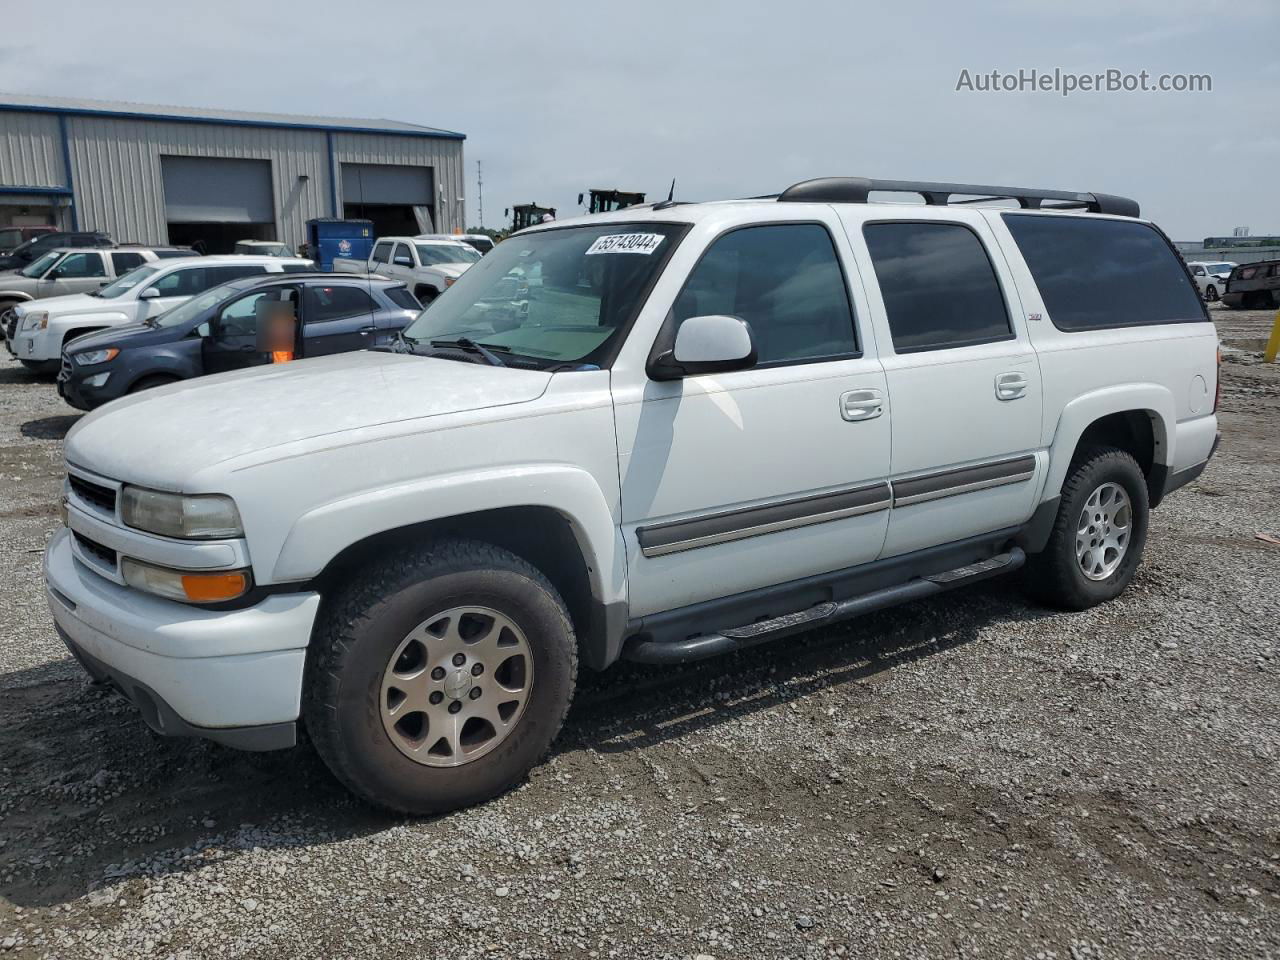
(626, 243)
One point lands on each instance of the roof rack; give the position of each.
(856, 190)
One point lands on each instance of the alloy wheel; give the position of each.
(1103, 531)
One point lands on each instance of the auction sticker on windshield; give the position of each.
(626, 243)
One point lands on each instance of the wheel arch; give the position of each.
(1138, 418)
(555, 517)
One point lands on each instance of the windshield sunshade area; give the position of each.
(129, 281)
(39, 266)
(554, 296)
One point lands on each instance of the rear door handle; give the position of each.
(1012, 385)
(865, 404)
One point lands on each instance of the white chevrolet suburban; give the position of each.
(709, 426)
(428, 267)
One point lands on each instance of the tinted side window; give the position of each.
(297, 268)
(401, 297)
(182, 283)
(217, 275)
(1104, 273)
(124, 262)
(333, 303)
(939, 288)
(77, 265)
(174, 254)
(382, 252)
(785, 281)
(402, 251)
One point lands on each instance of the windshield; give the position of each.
(187, 311)
(263, 249)
(432, 253)
(126, 283)
(38, 267)
(560, 296)
(1220, 267)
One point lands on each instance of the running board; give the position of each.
(739, 638)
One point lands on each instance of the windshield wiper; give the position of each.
(470, 346)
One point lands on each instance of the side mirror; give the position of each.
(151, 293)
(708, 344)
(403, 262)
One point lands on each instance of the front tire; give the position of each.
(397, 656)
(1211, 293)
(1098, 537)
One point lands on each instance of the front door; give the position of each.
(739, 480)
(75, 273)
(963, 378)
(236, 335)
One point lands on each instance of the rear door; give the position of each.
(122, 261)
(337, 318)
(233, 341)
(963, 378)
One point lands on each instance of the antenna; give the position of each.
(480, 191)
(671, 194)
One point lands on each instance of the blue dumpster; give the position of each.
(328, 238)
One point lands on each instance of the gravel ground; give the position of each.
(971, 776)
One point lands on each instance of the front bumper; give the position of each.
(78, 389)
(234, 676)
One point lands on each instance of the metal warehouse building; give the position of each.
(152, 174)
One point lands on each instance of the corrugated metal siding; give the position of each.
(118, 184)
(30, 150)
(444, 156)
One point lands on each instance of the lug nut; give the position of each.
(437, 673)
(477, 669)
(475, 693)
(459, 659)
(455, 706)
(436, 696)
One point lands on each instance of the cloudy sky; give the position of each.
(731, 99)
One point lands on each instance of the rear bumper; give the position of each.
(1180, 479)
(164, 656)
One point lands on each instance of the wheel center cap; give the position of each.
(457, 684)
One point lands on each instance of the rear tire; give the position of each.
(1211, 293)
(1098, 537)
(391, 639)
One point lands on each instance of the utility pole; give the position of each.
(480, 191)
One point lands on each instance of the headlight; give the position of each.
(90, 357)
(204, 517)
(187, 586)
(35, 320)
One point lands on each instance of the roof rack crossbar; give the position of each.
(858, 189)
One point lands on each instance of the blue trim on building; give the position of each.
(228, 121)
(38, 191)
(66, 169)
(333, 176)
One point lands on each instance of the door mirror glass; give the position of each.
(151, 293)
(714, 343)
(203, 330)
(403, 261)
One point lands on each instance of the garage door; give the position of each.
(386, 183)
(217, 190)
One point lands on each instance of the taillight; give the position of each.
(1217, 389)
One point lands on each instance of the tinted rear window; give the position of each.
(1094, 274)
(401, 297)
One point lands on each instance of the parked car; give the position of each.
(1254, 286)
(263, 248)
(429, 267)
(26, 253)
(11, 237)
(40, 329)
(481, 242)
(1210, 277)
(65, 271)
(710, 426)
(217, 331)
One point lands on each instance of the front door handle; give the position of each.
(866, 404)
(1012, 385)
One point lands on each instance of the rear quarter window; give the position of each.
(401, 297)
(1095, 274)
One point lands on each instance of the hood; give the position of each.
(78, 303)
(454, 270)
(162, 437)
(127, 337)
